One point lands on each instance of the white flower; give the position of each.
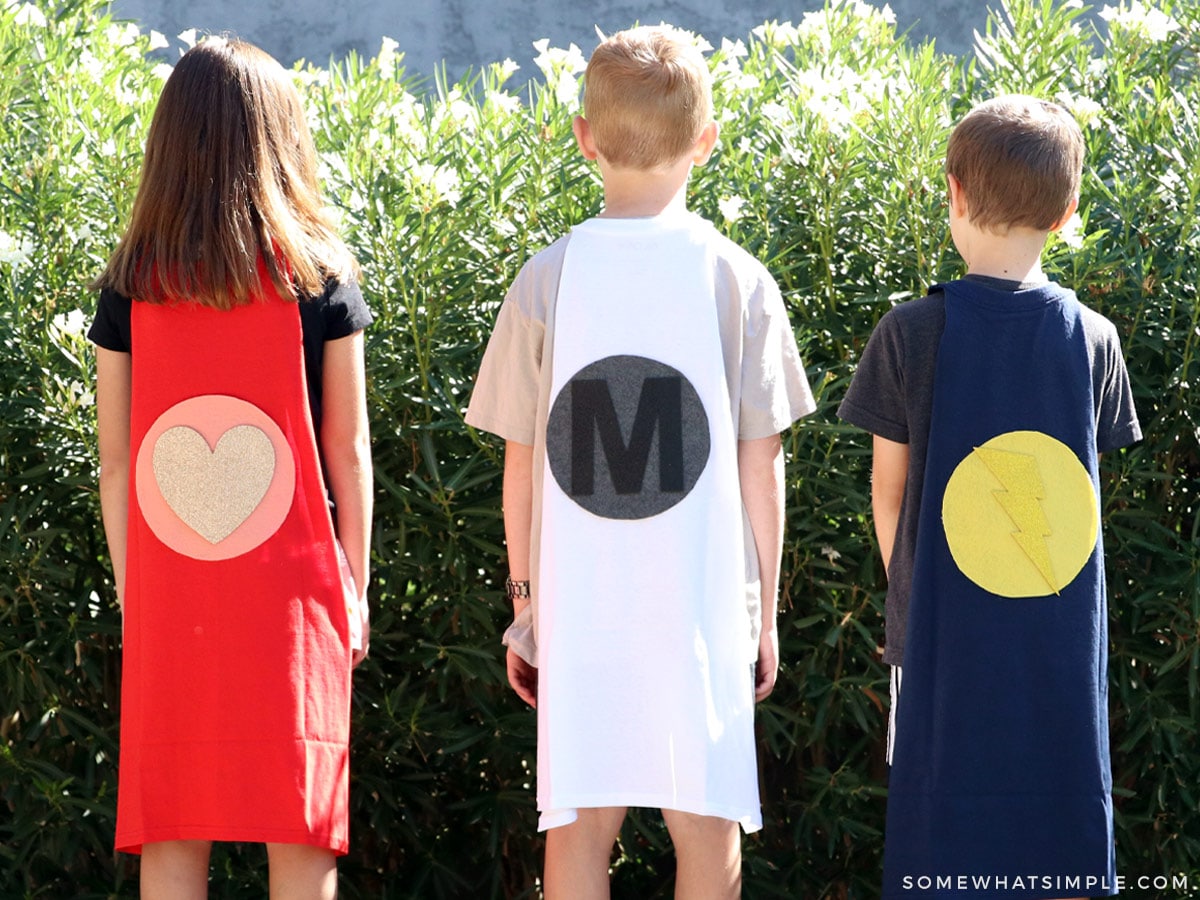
(837, 95)
(566, 90)
(776, 112)
(731, 208)
(814, 26)
(733, 49)
(1087, 112)
(90, 66)
(439, 182)
(552, 60)
(460, 108)
(158, 41)
(309, 76)
(70, 323)
(835, 114)
(503, 101)
(13, 252)
(776, 34)
(387, 58)
(1146, 20)
(560, 68)
(126, 95)
(455, 110)
(830, 553)
(729, 71)
(162, 71)
(502, 71)
(188, 38)
(745, 82)
(122, 34)
(28, 14)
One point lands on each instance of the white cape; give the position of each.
(645, 649)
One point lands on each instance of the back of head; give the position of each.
(647, 96)
(229, 180)
(1019, 161)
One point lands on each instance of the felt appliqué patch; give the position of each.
(215, 477)
(1021, 515)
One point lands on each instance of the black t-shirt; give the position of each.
(338, 312)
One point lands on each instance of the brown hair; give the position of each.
(647, 95)
(1019, 161)
(229, 180)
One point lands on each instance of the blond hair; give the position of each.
(647, 96)
(1019, 161)
(229, 183)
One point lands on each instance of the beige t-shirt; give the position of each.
(768, 390)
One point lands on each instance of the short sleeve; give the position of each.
(1116, 418)
(875, 400)
(504, 401)
(774, 389)
(111, 328)
(344, 310)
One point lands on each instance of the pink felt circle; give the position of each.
(212, 415)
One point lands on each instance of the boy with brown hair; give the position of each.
(990, 400)
(640, 372)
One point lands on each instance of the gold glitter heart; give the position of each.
(214, 490)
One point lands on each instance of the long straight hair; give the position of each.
(229, 183)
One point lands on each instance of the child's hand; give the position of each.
(767, 668)
(523, 677)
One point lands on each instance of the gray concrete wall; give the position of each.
(468, 34)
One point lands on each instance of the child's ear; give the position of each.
(704, 145)
(958, 199)
(1070, 211)
(583, 137)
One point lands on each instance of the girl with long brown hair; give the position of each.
(235, 484)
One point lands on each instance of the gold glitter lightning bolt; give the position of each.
(1021, 499)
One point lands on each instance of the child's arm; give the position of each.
(760, 471)
(518, 519)
(889, 473)
(346, 450)
(113, 385)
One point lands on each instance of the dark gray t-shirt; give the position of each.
(891, 395)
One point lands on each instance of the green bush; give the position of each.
(829, 169)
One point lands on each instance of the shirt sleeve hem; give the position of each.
(865, 419)
(762, 429)
(508, 431)
(1121, 437)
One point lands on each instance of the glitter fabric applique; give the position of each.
(214, 490)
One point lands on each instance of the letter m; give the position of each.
(592, 413)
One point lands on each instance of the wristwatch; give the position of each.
(516, 589)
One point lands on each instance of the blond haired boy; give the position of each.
(990, 400)
(640, 372)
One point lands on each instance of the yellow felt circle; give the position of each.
(1021, 515)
